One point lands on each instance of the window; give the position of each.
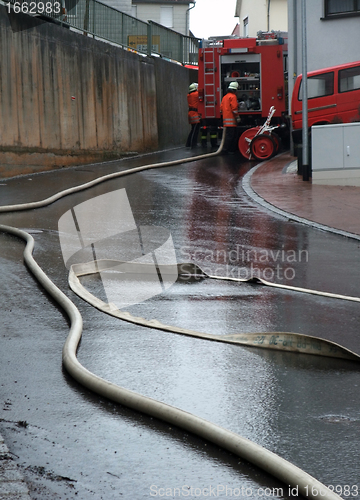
(349, 79)
(167, 17)
(319, 86)
(342, 7)
(134, 10)
(246, 26)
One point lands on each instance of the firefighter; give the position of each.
(230, 116)
(204, 136)
(193, 115)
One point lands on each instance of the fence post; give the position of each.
(123, 31)
(93, 28)
(182, 54)
(149, 39)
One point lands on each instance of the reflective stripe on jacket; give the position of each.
(229, 109)
(193, 114)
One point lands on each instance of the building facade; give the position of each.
(173, 14)
(261, 15)
(121, 5)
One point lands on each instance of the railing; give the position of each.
(96, 19)
(172, 45)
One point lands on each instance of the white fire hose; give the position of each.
(278, 467)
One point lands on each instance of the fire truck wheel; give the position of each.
(263, 147)
(277, 140)
(245, 141)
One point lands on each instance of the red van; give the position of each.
(333, 97)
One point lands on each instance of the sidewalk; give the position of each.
(334, 206)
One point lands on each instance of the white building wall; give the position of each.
(278, 15)
(148, 12)
(257, 13)
(151, 12)
(181, 19)
(122, 5)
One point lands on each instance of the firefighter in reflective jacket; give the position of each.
(230, 115)
(193, 115)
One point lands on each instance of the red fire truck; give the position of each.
(259, 67)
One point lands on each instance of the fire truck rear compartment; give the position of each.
(245, 70)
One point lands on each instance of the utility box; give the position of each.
(336, 154)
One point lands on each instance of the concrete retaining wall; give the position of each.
(67, 99)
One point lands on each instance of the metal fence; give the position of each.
(96, 19)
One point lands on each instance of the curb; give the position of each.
(246, 185)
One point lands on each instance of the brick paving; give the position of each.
(334, 206)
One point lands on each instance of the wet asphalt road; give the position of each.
(72, 444)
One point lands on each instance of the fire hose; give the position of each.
(273, 464)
